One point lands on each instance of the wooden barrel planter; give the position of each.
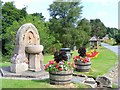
(61, 77)
(82, 67)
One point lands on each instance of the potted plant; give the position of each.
(82, 62)
(60, 70)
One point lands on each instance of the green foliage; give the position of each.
(98, 28)
(84, 28)
(112, 32)
(40, 15)
(10, 14)
(110, 41)
(46, 39)
(117, 38)
(84, 25)
(64, 17)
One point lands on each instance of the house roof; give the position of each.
(93, 39)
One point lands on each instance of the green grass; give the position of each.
(110, 41)
(101, 65)
(4, 64)
(6, 83)
(48, 58)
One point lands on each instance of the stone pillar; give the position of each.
(34, 62)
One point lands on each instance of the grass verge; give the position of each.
(100, 65)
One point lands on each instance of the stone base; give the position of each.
(18, 68)
(91, 82)
(5, 71)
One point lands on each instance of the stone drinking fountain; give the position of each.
(28, 51)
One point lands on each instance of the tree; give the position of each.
(117, 38)
(84, 25)
(98, 28)
(10, 14)
(40, 15)
(46, 39)
(64, 17)
(112, 32)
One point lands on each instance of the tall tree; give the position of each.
(98, 28)
(39, 15)
(10, 14)
(64, 16)
(112, 32)
(84, 25)
(46, 39)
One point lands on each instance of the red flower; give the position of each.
(46, 66)
(57, 65)
(51, 62)
(60, 69)
(86, 60)
(92, 54)
(76, 57)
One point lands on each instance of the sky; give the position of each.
(105, 10)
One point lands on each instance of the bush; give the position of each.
(117, 38)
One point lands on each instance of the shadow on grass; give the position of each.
(41, 81)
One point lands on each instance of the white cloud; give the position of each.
(101, 14)
(19, 3)
(102, 2)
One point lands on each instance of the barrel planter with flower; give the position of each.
(82, 62)
(60, 77)
(60, 70)
(82, 67)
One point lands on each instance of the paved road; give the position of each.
(115, 49)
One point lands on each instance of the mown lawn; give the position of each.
(100, 65)
(110, 41)
(10, 83)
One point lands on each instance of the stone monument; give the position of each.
(28, 51)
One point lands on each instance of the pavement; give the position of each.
(116, 69)
(115, 49)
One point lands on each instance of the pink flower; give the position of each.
(61, 62)
(73, 64)
(86, 60)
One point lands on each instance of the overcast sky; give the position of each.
(105, 10)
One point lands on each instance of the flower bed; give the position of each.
(92, 54)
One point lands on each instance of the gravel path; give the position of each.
(113, 73)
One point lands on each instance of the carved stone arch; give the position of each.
(25, 29)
